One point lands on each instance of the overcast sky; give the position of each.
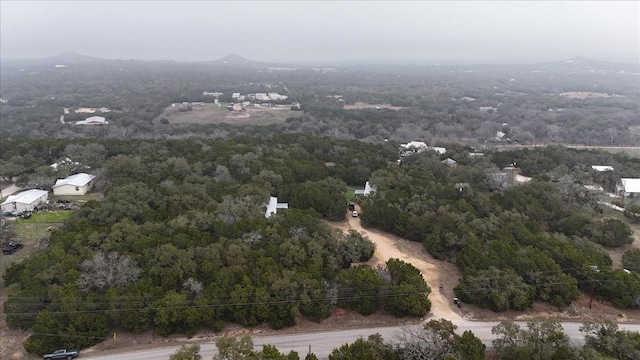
(304, 31)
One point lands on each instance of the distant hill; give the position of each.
(235, 60)
(68, 58)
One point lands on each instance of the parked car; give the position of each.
(26, 214)
(354, 214)
(12, 213)
(67, 354)
(11, 247)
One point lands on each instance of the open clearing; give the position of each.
(586, 95)
(212, 114)
(30, 231)
(363, 105)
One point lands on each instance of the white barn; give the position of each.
(78, 184)
(25, 201)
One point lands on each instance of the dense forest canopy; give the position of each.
(180, 240)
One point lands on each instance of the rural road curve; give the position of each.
(322, 343)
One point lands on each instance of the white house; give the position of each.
(368, 190)
(418, 145)
(25, 201)
(78, 184)
(449, 162)
(94, 120)
(602, 168)
(439, 150)
(628, 187)
(273, 206)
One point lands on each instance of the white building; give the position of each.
(368, 190)
(78, 184)
(628, 187)
(439, 150)
(602, 168)
(418, 145)
(25, 201)
(273, 206)
(94, 120)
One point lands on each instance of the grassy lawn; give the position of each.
(57, 216)
(350, 195)
(30, 231)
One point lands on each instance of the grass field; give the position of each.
(350, 195)
(30, 231)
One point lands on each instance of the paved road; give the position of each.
(322, 343)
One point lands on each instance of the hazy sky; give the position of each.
(305, 31)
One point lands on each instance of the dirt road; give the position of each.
(440, 275)
(9, 190)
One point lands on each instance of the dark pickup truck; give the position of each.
(67, 354)
(11, 247)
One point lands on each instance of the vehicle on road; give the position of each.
(67, 354)
(354, 214)
(11, 247)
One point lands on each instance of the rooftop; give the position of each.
(80, 179)
(25, 197)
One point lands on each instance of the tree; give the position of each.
(438, 340)
(359, 288)
(355, 247)
(469, 347)
(187, 352)
(500, 290)
(542, 340)
(235, 348)
(408, 291)
(106, 270)
(371, 349)
(607, 340)
(631, 259)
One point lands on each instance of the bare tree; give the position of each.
(612, 132)
(553, 132)
(436, 340)
(193, 286)
(106, 270)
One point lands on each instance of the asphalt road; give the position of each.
(322, 343)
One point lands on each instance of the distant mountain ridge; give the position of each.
(236, 61)
(60, 59)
